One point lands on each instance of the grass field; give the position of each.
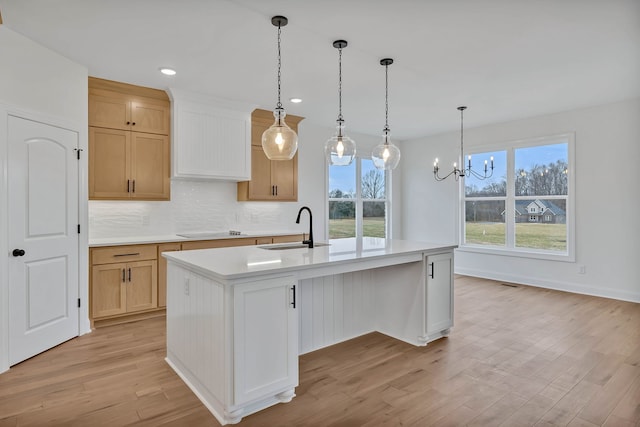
(341, 228)
(537, 236)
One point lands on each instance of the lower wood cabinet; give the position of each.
(119, 288)
(129, 282)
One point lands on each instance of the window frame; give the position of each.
(509, 249)
(359, 200)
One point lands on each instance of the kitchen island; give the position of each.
(237, 318)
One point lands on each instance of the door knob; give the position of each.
(18, 252)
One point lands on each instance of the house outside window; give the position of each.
(358, 200)
(525, 208)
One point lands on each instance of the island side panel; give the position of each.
(196, 336)
(400, 301)
(335, 308)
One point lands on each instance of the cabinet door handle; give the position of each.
(276, 190)
(134, 185)
(131, 254)
(128, 186)
(123, 276)
(433, 270)
(293, 303)
(133, 124)
(128, 123)
(129, 275)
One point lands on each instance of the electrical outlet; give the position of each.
(582, 269)
(186, 286)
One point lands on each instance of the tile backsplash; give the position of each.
(194, 206)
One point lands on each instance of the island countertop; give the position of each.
(249, 261)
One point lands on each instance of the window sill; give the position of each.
(520, 253)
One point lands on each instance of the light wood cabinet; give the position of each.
(128, 165)
(271, 180)
(118, 111)
(123, 280)
(129, 149)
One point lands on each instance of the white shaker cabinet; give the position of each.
(439, 294)
(265, 324)
(211, 138)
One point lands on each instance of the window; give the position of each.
(358, 200)
(524, 209)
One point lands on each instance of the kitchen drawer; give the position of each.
(219, 243)
(111, 254)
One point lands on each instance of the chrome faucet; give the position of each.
(310, 241)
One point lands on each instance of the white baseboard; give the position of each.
(552, 284)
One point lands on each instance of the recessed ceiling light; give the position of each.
(295, 100)
(168, 71)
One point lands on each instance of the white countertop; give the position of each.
(168, 238)
(248, 261)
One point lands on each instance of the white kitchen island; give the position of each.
(237, 318)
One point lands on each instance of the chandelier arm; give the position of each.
(455, 171)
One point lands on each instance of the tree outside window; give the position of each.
(357, 200)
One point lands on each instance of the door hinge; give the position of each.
(78, 150)
(78, 228)
(78, 302)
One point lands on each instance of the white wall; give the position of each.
(39, 84)
(212, 205)
(607, 200)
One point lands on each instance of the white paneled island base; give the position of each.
(237, 318)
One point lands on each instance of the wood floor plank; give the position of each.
(516, 356)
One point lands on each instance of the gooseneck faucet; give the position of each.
(310, 241)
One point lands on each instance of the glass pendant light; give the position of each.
(340, 149)
(386, 156)
(279, 142)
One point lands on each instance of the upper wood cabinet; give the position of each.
(211, 138)
(271, 180)
(119, 111)
(129, 148)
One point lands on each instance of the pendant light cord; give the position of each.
(340, 119)
(386, 96)
(386, 129)
(279, 105)
(461, 139)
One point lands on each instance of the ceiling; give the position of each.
(505, 59)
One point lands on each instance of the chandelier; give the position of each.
(468, 171)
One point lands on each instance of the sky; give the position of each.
(344, 177)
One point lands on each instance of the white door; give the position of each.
(43, 237)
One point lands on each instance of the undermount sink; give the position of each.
(282, 246)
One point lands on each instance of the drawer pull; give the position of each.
(133, 254)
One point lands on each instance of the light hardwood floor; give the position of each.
(516, 356)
